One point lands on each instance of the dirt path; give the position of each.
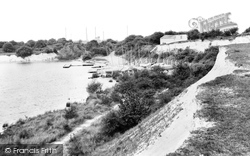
(76, 131)
(175, 135)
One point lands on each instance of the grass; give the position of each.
(50, 126)
(239, 53)
(225, 101)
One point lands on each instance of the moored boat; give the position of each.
(67, 66)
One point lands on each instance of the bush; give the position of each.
(51, 41)
(94, 87)
(8, 47)
(48, 50)
(99, 51)
(31, 43)
(1, 44)
(106, 100)
(24, 51)
(86, 56)
(58, 46)
(71, 113)
(24, 134)
(131, 112)
(62, 41)
(40, 44)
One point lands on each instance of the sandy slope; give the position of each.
(175, 135)
(201, 46)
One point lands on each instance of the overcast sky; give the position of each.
(22, 20)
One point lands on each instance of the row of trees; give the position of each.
(195, 34)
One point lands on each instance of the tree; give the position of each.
(24, 51)
(62, 41)
(247, 30)
(31, 43)
(8, 47)
(99, 51)
(94, 87)
(51, 41)
(155, 37)
(1, 44)
(92, 44)
(193, 34)
(13, 42)
(40, 44)
(230, 32)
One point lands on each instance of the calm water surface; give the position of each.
(29, 89)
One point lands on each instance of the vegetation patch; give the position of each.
(50, 126)
(140, 95)
(230, 112)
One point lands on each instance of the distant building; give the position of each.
(166, 39)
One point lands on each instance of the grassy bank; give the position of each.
(225, 102)
(52, 125)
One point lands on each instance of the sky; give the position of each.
(22, 20)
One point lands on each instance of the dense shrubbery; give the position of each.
(247, 30)
(62, 41)
(70, 51)
(70, 113)
(214, 34)
(31, 43)
(8, 47)
(136, 94)
(51, 41)
(1, 44)
(94, 87)
(99, 51)
(24, 51)
(40, 44)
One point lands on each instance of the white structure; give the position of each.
(166, 39)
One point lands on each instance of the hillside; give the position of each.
(167, 129)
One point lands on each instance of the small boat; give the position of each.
(88, 63)
(67, 66)
(97, 65)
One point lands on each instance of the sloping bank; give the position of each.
(167, 129)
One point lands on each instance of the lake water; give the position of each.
(29, 89)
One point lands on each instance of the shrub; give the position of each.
(181, 72)
(58, 46)
(8, 47)
(48, 50)
(63, 41)
(51, 41)
(86, 56)
(67, 128)
(25, 134)
(247, 30)
(131, 112)
(31, 43)
(40, 44)
(106, 100)
(94, 87)
(24, 51)
(1, 44)
(99, 51)
(71, 113)
(193, 34)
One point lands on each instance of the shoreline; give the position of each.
(104, 81)
(43, 57)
